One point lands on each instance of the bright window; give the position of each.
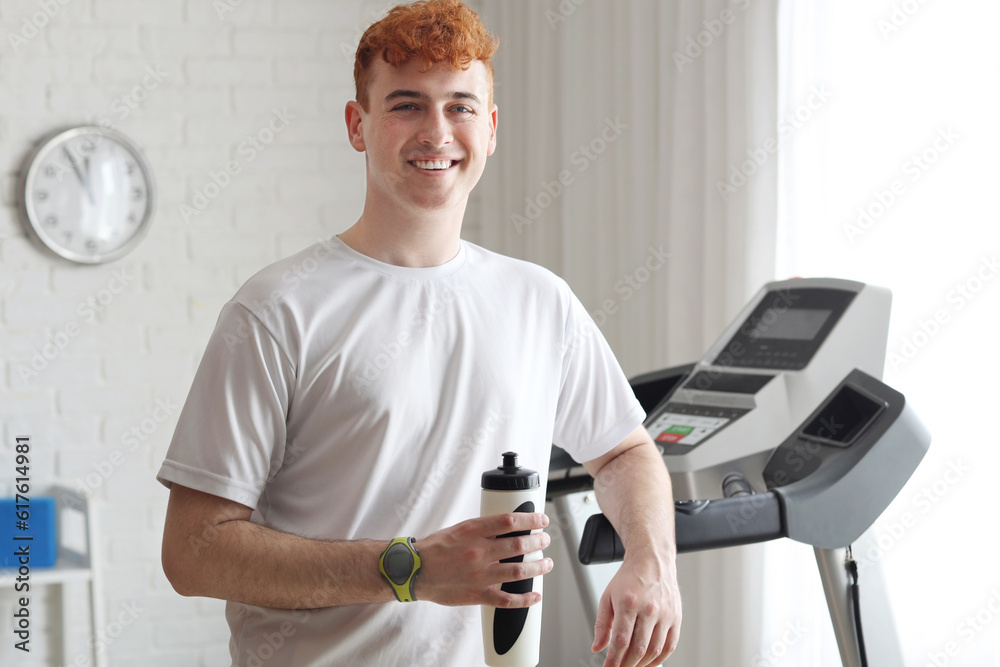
(892, 178)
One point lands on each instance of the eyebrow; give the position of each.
(416, 94)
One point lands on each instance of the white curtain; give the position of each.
(636, 159)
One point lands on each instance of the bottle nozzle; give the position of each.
(510, 476)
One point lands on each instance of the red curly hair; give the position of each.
(435, 30)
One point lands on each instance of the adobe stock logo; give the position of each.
(248, 150)
(959, 297)
(130, 101)
(757, 157)
(585, 155)
(913, 168)
(696, 45)
(133, 438)
(33, 25)
(88, 309)
(566, 9)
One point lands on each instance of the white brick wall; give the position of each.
(221, 76)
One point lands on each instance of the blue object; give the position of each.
(30, 526)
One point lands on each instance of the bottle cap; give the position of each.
(510, 476)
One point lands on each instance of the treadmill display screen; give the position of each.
(792, 324)
(785, 329)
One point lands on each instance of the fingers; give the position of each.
(503, 548)
(633, 639)
(645, 644)
(514, 540)
(669, 644)
(502, 600)
(505, 572)
(602, 628)
(512, 533)
(501, 524)
(613, 630)
(627, 640)
(496, 597)
(465, 563)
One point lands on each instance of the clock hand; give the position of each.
(76, 168)
(90, 191)
(72, 161)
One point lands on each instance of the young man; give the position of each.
(361, 403)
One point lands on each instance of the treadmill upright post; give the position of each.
(881, 635)
(832, 564)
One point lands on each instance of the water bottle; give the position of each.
(512, 637)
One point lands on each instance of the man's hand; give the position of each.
(639, 616)
(461, 563)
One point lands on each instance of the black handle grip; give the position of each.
(699, 525)
(600, 542)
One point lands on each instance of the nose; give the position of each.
(435, 131)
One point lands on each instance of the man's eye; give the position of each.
(405, 107)
(461, 108)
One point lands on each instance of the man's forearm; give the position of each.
(245, 562)
(639, 615)
(634, 492)
(212, 549)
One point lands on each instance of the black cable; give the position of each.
(852, 567)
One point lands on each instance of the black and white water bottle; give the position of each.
(512, 637)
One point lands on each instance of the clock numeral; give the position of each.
(42, 195)
(131, 218)
(51, 221)
(49, 171)
(68, 235)
(91, 245)
(129, 168)
(137, 194)
(87, 146)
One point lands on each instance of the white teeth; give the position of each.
(432, 164)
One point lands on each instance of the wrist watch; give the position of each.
(400, 565)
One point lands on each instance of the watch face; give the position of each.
(88, 194)
(398, 563)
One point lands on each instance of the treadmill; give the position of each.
(782, 429)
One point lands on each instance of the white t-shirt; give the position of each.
(343, 398)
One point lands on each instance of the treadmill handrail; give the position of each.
(698, 525)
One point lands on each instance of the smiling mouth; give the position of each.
(433, 164)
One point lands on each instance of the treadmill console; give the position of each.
(788, 348)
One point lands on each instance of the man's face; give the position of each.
(426, 135)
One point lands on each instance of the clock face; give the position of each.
(88, 194)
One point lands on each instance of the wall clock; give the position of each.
(87, 194)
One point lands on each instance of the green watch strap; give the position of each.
(400, 565)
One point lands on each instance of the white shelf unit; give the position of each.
(77, 562)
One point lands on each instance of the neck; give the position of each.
(416, 239)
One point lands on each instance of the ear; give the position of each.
(354, 115)
(493, 131)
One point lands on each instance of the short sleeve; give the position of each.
(597, 408)
(231, 434)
